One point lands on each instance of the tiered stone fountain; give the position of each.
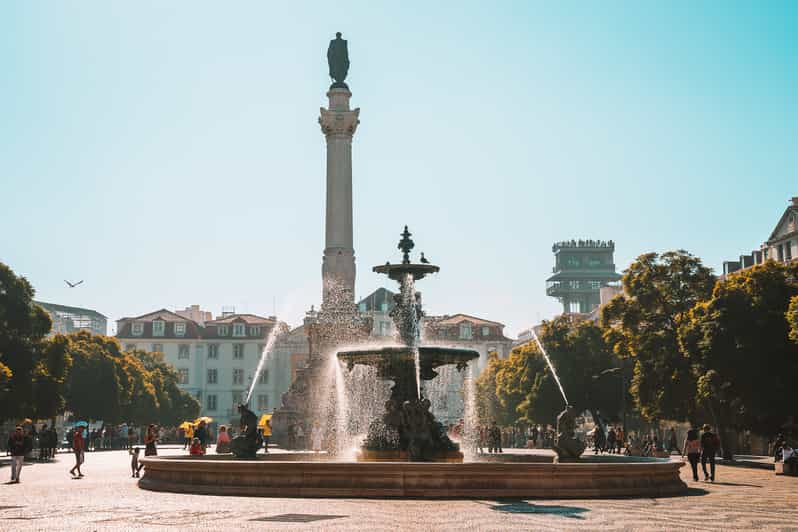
(408, 430)
(395, 460)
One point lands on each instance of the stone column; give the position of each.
(338, 123)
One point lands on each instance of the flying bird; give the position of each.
(424, 259)
(73, 285)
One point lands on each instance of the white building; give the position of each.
(781, 246)
(216, 361)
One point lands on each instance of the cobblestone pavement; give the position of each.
(109, 499)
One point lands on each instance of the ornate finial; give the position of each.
(406, 245)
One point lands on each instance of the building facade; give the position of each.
(581, 269)
(71, 319)
(781, 245)
(215, 361)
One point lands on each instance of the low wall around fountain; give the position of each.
(271, 478)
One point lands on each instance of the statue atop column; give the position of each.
(338, 61)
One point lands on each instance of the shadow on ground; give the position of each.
(524, 507)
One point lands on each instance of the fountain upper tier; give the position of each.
(394, 362)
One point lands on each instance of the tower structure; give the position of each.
(338, 123)
(581, 269)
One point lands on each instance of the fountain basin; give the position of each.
(312, 476)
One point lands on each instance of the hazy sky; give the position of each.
(169, 152)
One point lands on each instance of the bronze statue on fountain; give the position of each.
(408, 428)
(246, 444)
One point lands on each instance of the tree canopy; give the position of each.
(643, 325)
(738, 342)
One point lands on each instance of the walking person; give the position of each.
(134, 461)
(709, 447)
(79, 448)
(266, 434)
(316, 437)
(672, 443)
(149, 441)
(692, 448)
(16, 446)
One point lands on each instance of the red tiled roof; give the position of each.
(458, 318)
(249, 319)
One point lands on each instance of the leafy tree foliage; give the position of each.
(792, 319)
(23, 364)
(738, 342)
(133, 386)
(495, 401)
(643, 325)
(586, 367)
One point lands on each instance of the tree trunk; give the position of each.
(725, 447)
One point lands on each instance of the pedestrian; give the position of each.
(619, 436)
(299, 435)
(223, 441)
(188, 435)
(79, 448)
(710, 443)
(134, 461)
(267, 433)
(16, 446)
(494, 438)
(534, 436)
(201, 433)
(672, 443)
(692, 448)
(611, 440)
(196, 447)
(316, 437)
(149, 441)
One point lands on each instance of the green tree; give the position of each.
(792, 319)
(97, 385)
(489, 405)
(738, 343)
(586, 367)
(643, 325)
(49, 377)
(23, 326)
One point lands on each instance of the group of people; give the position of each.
(613, 442)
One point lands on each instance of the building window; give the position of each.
(157, 348)
(158, 328)
(130, 347)
(573, 307)
(137, 329)
(263, 402)
(211, 402)
(213, 376)
(254, 331)
(238, 397)
(238, 351)
(384, 328)
(239, 329)
(383, 307)
(183, 351)
(485, 331)
(222, 330)
(238, 376)
(362, 307)
(182, 376)
(264, 376)
(199, 349)
(180, 329)
(465, 331)
(213, 351)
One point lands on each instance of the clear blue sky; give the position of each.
(168, 152)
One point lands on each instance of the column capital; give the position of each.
(334, 122)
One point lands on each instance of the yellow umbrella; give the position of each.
(186, 425)
(206, 419)
(265, 418)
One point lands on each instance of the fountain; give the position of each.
(408, 430)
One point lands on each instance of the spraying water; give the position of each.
(551, 366)
(264, 356)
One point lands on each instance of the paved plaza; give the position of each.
(109, 499)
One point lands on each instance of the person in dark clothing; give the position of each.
(709, 447)
(16, 446)
(494, 439)
(201, 433)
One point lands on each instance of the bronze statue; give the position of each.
(338, 61)
(567, 446)
(248, 442)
